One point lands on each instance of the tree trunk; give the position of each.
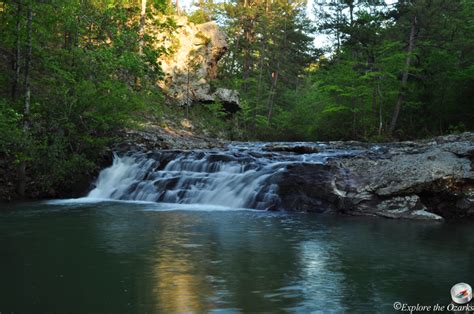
(178, 9)
(374, 101)
(142, 28)
(351, 12)
(247, 62)
(141, 41)
(26, 109)
(259, 89)
(271, 97)
(380, 110)
(401, 94)
(16, 64)
(372, 68)
(338, 34)
(354, 118)
(187, 94)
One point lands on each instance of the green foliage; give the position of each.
(88, 80)
(10, 129)
(92, 74)
(205, 11)
(269, 51)
(351, 94)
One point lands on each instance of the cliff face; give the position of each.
(192, 63)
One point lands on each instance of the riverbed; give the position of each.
(137, 257)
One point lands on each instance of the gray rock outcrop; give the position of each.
(423, 180)
(428, 180)
(190, 66)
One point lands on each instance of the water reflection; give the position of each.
(247, 261)
(178, 288)
(317, 260)
(121, 258)
(179, 283)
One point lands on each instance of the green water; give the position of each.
(148, 258)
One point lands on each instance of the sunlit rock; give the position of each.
(191, 64)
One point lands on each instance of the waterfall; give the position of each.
(239, 177)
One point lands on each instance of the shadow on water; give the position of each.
(139, 257)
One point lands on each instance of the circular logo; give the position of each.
(461, 293)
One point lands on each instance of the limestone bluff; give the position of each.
(191, 63)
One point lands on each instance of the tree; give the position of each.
(17, 61)
(142, 26)
(27, 103)
(269, 50)
(74, 65)
(411, 43)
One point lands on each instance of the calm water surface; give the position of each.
(116, 257)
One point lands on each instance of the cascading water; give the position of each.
(238, 177)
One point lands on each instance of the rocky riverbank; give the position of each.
(153, 137)
(427, 179)
(431, 179)
(148, 138)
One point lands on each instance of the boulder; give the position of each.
(229, 98)
(298, 149)
(308, 187)
(405, 207)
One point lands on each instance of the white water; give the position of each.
(239, 177)
(186, 180)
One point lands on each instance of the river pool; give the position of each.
(128, 257)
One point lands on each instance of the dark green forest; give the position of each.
(74, 73)
(396, 71)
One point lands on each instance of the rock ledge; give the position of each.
(427, 180)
